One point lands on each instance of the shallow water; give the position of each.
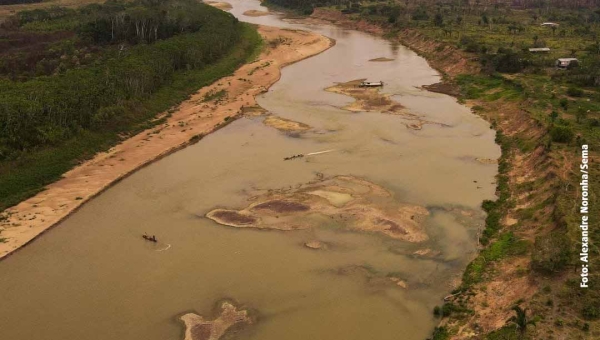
(92, 277)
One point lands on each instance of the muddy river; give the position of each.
(93, 277)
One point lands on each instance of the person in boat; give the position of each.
(149, 238)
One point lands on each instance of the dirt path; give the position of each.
(195, 117)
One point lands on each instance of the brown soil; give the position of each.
(344, 200)
(233, 217)
(445, 88)
(197, 328)
(280, 206)
(186, 124)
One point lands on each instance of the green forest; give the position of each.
(15, 2)
(73, 80)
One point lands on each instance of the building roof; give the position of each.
(549, 24)
(539, 49)
(567, 59)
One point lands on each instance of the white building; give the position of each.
(565, 62)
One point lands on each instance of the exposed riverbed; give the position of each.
(93, 277)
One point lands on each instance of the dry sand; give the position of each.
(197, 328)
(224, 6)
(353, 203)
(370, 99)
(285, 125)
(192, 118)
(255, 13)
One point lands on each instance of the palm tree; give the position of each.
(520, 320)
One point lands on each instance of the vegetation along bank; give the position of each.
(76, 81)
(500, 58)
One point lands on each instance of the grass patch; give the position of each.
(214, 95)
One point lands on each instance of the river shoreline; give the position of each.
(491, 309)
(206, 111)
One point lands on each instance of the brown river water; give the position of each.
(92, 277)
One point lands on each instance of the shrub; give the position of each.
(437, 311)
(441, 333)
(564, 103)
(574, 92)
(505, 61)
(561, 134)
(551, 253)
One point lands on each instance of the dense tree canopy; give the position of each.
(152, 41)
(15, 2)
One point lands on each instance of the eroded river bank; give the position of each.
(358, 242)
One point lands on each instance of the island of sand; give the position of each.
(285, 125)
(198, 328)
(255, 13)
(381, 59)
(344, 202)
(370, 99)
(224, 6)
(207, 110)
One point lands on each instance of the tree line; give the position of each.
(170, 37)
(18, 2)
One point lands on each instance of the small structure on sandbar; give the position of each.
(371, 84)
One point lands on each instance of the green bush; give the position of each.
(437, 311)
(561, 134)
(564, 103)
(551, 253)
(441, 333)
(574, 92)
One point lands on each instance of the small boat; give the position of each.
(371, 84)
(292, 157)
(149, 238)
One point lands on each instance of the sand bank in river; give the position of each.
(185, 124)
(369, 99)
(225, 6)
(381, 59)
(197, 328)
(255, 13)
(348, 202)
(285, 125)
